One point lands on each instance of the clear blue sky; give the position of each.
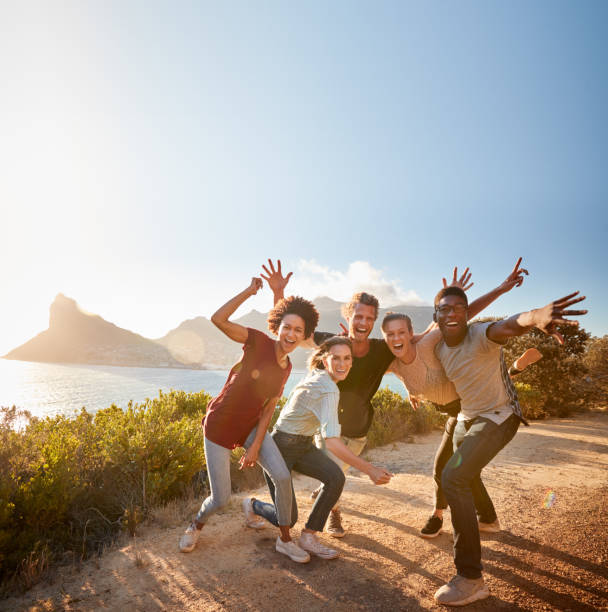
(153, 154)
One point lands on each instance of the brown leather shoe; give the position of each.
(334, 527)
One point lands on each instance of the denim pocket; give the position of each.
(282, 438)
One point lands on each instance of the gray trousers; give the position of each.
(218, 471)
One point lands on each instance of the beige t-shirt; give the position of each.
(477, 369)
(424, 376)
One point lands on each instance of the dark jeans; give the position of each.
(300, 454)
(476, 443)
(483, 503)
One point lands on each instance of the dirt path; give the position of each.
(551, 555)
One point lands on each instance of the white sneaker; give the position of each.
(310, 542)
(251, 519)
(292, 550)
(188, 541)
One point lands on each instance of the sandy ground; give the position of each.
(549, 485)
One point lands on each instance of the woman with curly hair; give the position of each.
(241, 413)
(312, 408)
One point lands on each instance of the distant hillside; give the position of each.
(78, 337)
(74, 336)
(199, 341)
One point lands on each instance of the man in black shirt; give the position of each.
(371, 358)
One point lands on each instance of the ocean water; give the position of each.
(50, 388)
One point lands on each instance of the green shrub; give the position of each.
(395, 419)
(70, 484)
(559, 374)
(595, 384)
(532, 401)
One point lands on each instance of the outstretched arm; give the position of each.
(377, 475)
(234, 331)
(515, 279)
(527, 358)
(546, 319)
(275, 279)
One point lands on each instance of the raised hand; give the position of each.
(275, 279)
(550, 316)
(461, 282)
(255, 286)
(515, 279)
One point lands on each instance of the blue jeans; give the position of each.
(301, 455)
(476, 443)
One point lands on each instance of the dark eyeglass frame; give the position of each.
(447, 308)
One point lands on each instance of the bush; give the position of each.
(559, 375)
(596, 362)
(71, 484)
(395, 419)
(531, 401)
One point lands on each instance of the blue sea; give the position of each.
(50, 388)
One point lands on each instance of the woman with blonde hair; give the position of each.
(312, 408)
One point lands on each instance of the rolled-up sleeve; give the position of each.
(328, 415)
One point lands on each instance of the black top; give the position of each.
(355, 410)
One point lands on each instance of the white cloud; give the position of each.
(312, 279)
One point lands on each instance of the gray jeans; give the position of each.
(218, 470)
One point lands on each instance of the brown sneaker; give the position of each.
(461, 591)
(490, 527)
(334, 527)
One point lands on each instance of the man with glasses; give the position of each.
(471, 355)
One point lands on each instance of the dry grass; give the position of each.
(140, 560)
(176, 512)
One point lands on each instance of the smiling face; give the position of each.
(361, 322)
(291, 332)
(398, 336)
(451, 316)
(338, 361)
